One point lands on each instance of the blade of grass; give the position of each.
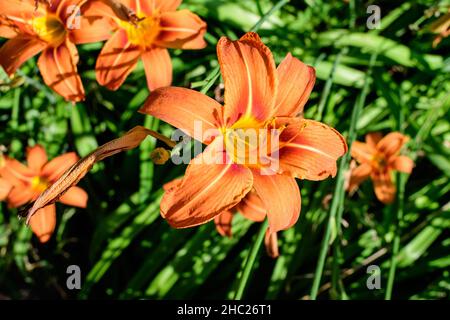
(251, 261)
(338, 191)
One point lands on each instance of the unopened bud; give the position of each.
(160, 156)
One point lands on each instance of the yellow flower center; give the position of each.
(379, 161)
(144, 32)
(39, 184)
(251, 143)
(50, 29)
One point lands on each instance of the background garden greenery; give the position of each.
(126, 250)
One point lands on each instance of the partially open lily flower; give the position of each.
(53, 28)
(262, 99)
(20, 184)
(378, 157)
(158, 27)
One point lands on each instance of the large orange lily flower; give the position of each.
(258, 97)
(20, 184)
(53, 29)
(378, 158)
(158, 27)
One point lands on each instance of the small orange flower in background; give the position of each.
(258, 97)
(20, 184)
(158, 28)
(52, 29)
(378, 158)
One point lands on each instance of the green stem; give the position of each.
(215, 73)
(401, 181)
(329, 83)
(250, 261)
(338, 194)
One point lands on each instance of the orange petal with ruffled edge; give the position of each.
(296, 81)
(252, 208)
(18, 50)
(402, 164)
(43, 223)
(185, 109)
(358, 175)
(57, 166)
(116, 61)
(18, 8)
(5, 189)
(36, 158)
(281, 197)
(181, 30)
(384, 187)
(310, 149)
(75, 197)
(223, 223)
(207, 190)
(158, 68)
(250, 78)
(58, 67)
(391, 144)
(362, 152)
(271, 243)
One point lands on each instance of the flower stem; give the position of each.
(338, 195)
(250, 261)
(401, 181)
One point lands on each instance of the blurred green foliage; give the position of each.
(126, 250)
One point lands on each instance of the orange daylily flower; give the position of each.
(378, 157)
(258, 97)
(158, 27)
(53, 29)
(20, 184)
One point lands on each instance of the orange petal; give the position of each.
(223, 223)
(93, 26)
(281, 196)
(271, 243)
(43, 223)
(373, 138)
(384, 188)
(206, 191)
(16, 173)
(158, 68)
(17, 8)
(362, 152)
(8, 28)
(56, 167)
(58, 67)
(20, 195)
(116, 61)
(18, 50)
(184, 109)
(391, 144)
(402, 164)
(36, 158)
(250, 78)
(76, 197)
(296, 81)
(252, 207)
(358, 175)
(310, 149)
(166, 5)
(5, 188)
(181, 30)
